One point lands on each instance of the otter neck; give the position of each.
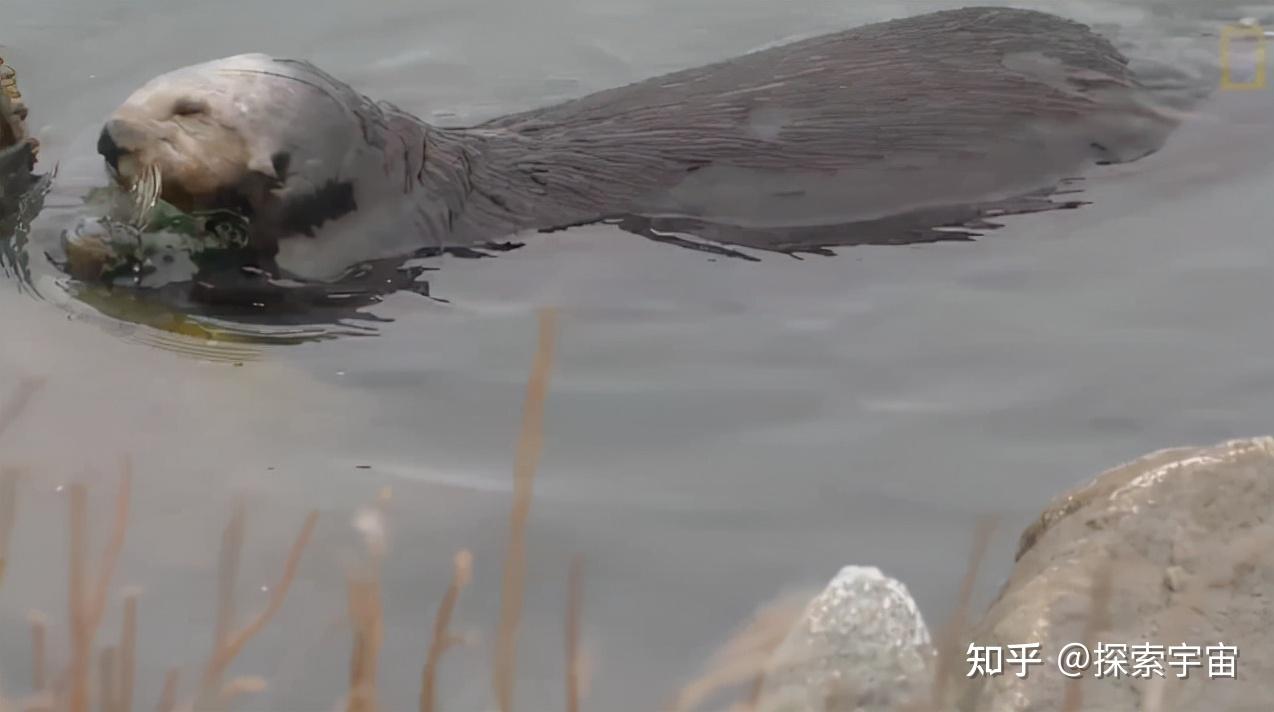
(484, 184)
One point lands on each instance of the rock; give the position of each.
(13, 112)
(1168, 550)
(861, 646)
(17, 154)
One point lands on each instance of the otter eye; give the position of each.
(189, 107)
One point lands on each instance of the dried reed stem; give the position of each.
(949, 644)
(367, 616)
(239, 686)
(232, 643)
(86, 607)
(442, 638)
(1152, 697)
(9, 413)
(168, 695)
(107, 679)
(366, 612)
(1098, 620)
(530, 444)
(18, 402)
(753, 698)
(39, 652)
(574, 661)
(75, 598)
(743, 659)
(8, 514)
(127, 654)
(228, 570)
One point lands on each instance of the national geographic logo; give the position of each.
(1243, 55)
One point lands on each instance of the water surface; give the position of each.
(718, 431)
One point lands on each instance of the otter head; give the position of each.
(268, 137)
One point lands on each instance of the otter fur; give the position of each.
(952, 108)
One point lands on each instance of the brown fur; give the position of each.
(783, 147)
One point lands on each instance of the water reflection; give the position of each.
(928, 225)
(21, 198)
(230, 303)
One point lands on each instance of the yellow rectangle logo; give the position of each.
(1243, 57)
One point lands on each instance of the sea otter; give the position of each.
(963, 107)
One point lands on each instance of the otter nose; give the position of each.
(109, 149)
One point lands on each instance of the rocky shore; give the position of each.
(1168, 555)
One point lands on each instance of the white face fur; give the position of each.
(210, 125)
(252, 131)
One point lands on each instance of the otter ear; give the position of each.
(271, 166)
(266, 169)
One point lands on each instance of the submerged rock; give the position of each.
(861, 645)
(1168, 552)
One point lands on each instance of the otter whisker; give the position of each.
(145, 192)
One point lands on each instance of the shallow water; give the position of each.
(718, 431)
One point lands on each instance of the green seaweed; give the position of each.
(117, 243)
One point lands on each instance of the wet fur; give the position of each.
(804, 136)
